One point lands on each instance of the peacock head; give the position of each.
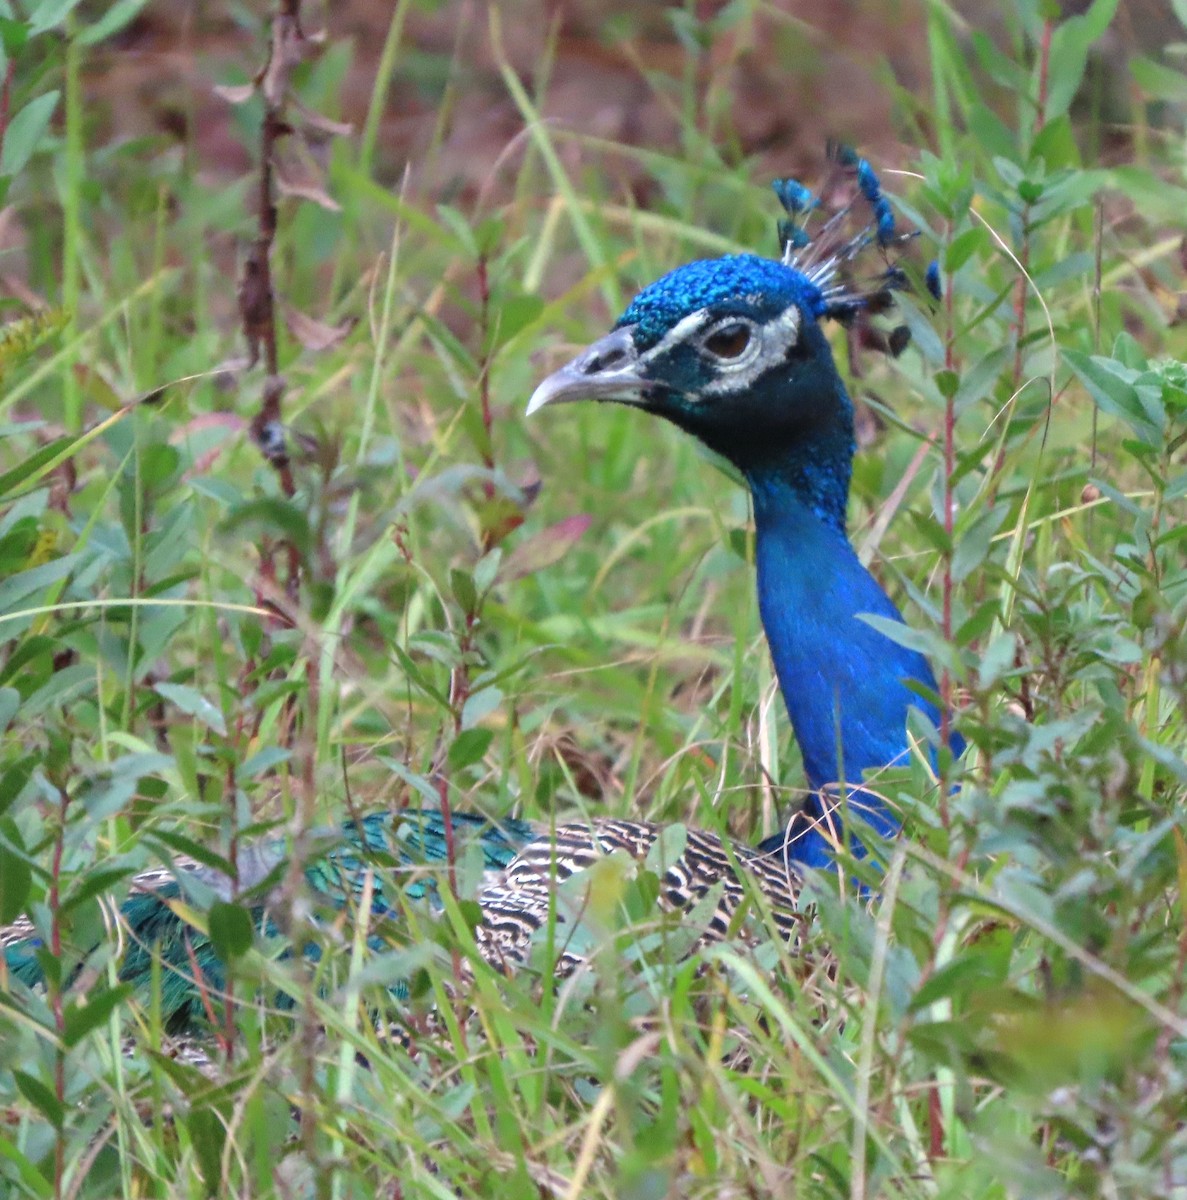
(732, 350)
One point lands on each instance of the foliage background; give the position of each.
(558, 617)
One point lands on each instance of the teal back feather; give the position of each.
(413, 839)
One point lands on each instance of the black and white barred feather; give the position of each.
(519, 904)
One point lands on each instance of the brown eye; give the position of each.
(729, 341)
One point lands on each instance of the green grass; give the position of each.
(1007, 1019)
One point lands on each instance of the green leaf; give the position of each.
(273, 516)
(1070, 44)
(489, 233)
(10, 700)
(13, 781)
(486, 570)
(972, 544)
(63, 687)
(25, 584)
(94, 883)
(997, 659)
(1114, 394)
(963, 248)
(515, 315)
(977, 380)
(468, 747)
(81, 1017)
(160, 464)
(416, 676)
(457, 224)
(180, 844)
(418, 782)
(1163, 83)
(25, 131)
(13, 36)
(1030, 192)
(231, 930)
(41, 1098)
(15, 880)
(741, 543)
(956, 978)
(121, 13)
(464, 592)
(947, 383)
(923, 332)
(263, 761)
(194, 704)
(208, 1135)
(104, 797)
(1004, 69)
(48, 14)
(471, 913)
(481, 704)
(930, 644)
(45, 456)
(35, 1184)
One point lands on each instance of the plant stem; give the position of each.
(74, 173)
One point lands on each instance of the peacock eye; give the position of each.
(730, 341)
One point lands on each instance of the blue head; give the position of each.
(732, 349)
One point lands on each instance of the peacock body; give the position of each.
(402, 858)
(732, 350)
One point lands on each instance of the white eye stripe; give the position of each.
(769, 344)
(784, 331)
(684, 329)
(736, 379)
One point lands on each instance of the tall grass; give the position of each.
(1006, 1018)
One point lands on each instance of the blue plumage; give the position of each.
(846, 684)
(794, 196)
(732, 350)
(758, 287)
(932, 279)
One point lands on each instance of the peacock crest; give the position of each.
(856, 222)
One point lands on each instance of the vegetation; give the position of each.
(417, 594)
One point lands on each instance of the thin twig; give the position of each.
(5, 96)
(257, 297)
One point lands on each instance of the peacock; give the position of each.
(732, 350)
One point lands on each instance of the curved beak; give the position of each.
(607, 370)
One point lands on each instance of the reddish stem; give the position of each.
(233, 861)
(488, 454)
(935, 1114)
(55, 937)
(1024, 250)
(5, 94)
(949, 527)
(1044, 73)
(447, 820)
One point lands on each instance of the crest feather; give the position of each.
(829, 257)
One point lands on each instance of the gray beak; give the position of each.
(607, 370)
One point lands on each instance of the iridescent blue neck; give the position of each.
(844, 683)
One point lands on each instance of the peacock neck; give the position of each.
(845, 684)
